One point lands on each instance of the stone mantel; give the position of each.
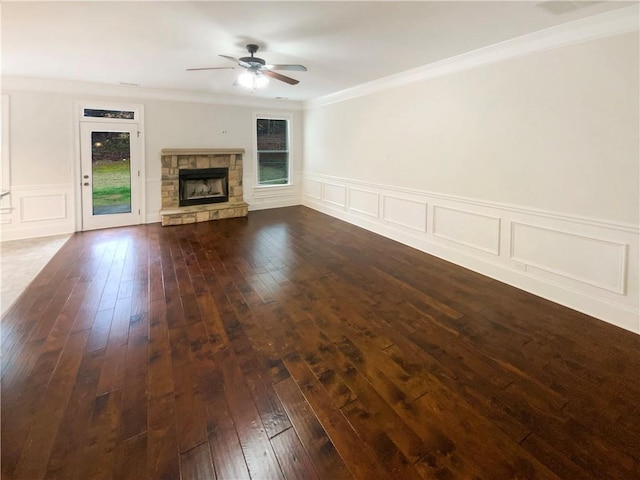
(202, 151)
(176, 159)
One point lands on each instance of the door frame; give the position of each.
(79, 107)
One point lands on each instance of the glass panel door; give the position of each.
(109, 175)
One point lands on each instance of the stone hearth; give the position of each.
(173, 160)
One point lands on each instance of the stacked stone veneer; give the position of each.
(174, 160)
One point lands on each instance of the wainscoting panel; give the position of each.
(407, 213)
(38, 211)
(589, 260)
(467, 228)
(334, 194)
(40, 208)
(587, 264)
(313, 188)
(364, 201)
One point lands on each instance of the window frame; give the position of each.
(272, 116)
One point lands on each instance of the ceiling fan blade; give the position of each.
(282, 78)
(229, 58)
(237, 60)
(208, 68)
(297, 68)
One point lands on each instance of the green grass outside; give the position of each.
(111, 183)
(273, 175)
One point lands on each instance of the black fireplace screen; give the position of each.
(203, 185)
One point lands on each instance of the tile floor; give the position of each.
(21, 261)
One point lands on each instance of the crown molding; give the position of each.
(607, 24)
(54, 85)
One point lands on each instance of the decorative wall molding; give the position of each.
(406, 213)
(586, 264)
(607, 24)
(38, 211)
(571, 256)
(596, 222)
(467, 228)
(364, 202)
(31, 207)
(313, 188)
(334, 194)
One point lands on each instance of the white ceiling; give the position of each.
(343, 44)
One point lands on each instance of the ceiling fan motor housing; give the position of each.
(253, 61)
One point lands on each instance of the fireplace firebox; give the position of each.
(200, 186)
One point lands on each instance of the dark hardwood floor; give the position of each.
(292, 345)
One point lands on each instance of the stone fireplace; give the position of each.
(199, 185)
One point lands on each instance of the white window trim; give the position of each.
(273, 116)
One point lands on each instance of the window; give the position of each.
(272, 145)
(97, 113)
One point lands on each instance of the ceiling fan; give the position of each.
(257, 66)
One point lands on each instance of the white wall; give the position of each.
(526, 170)
(43, 150)
(193, 125)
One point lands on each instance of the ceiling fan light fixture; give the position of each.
(261, 81)
(252, 80)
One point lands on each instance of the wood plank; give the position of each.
(258, 453)
(224, 443)
(134, 383)
(293, 458)
(131, 458)
(196, 463)
(64, 455)
(102, 437)
(324, 457)
(113, 372)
